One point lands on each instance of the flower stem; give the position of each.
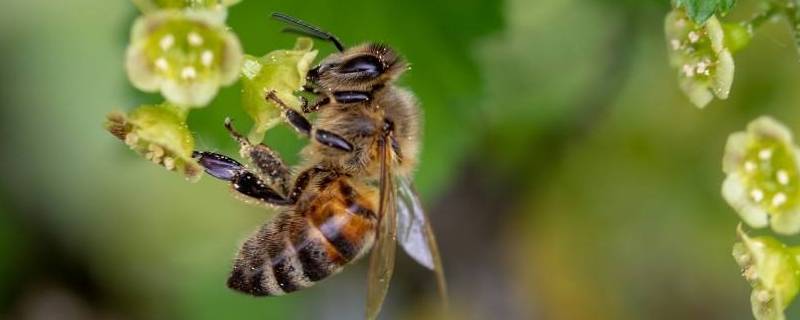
(144, 5)
(763, 16)
(793, 14)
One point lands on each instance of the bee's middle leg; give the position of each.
(267, 162)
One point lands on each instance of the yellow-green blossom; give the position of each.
(187, 55)
(699, 53)
(148, 6)
(762, 182)
(283, 71)
(160, 134)
(773, 271)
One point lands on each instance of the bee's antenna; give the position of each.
(304, 28)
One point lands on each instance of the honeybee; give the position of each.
(352, 192)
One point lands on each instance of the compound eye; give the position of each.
(367, 65)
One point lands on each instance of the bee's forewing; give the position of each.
(381, 262)
(415, 234)
(411, 224)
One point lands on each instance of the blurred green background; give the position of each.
(566, 175)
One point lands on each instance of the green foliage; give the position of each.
(701, 10)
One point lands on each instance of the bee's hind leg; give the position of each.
(241, 179)
(267, 162)
(302, 125)
(248, 183)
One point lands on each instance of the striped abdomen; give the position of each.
(307, 243)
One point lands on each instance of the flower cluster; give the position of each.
(187, 55)
(282, 71)
(701, 55)
(160, 134)
(773, 271)
(153, 5)
(184, 50)
(762, 170)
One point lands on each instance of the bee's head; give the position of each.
(357, 68)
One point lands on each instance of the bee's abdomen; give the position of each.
(300, 247)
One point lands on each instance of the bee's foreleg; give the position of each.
(242, 180)
(267, 162)
(311, 88)
(319, 103)
(294, 118)
(344, 97)
(302, 125)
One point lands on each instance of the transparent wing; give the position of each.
(415, 234)
(411, 224)
(381, 262)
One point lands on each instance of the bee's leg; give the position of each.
(294, 118)
(301, 124)
(267, 162)
(332, 140)
(345, 97)
(319, 103)
(310, 89)
(241, 179)
(302, 181)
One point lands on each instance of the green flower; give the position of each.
(773, 271)
(281, 70)
(699, 52)
(763, 184)
(160, 134)
(187, 55)
(153, 5)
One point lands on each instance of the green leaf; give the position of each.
(700, 10)
(725, 6)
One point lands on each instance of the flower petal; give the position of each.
(232, 58)
(715, 34)
(735, 193)
(723, 79)
(787, 222)
(196, 93)
(769, 127)
(735, 151)
(697, 92)
(140, 70)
